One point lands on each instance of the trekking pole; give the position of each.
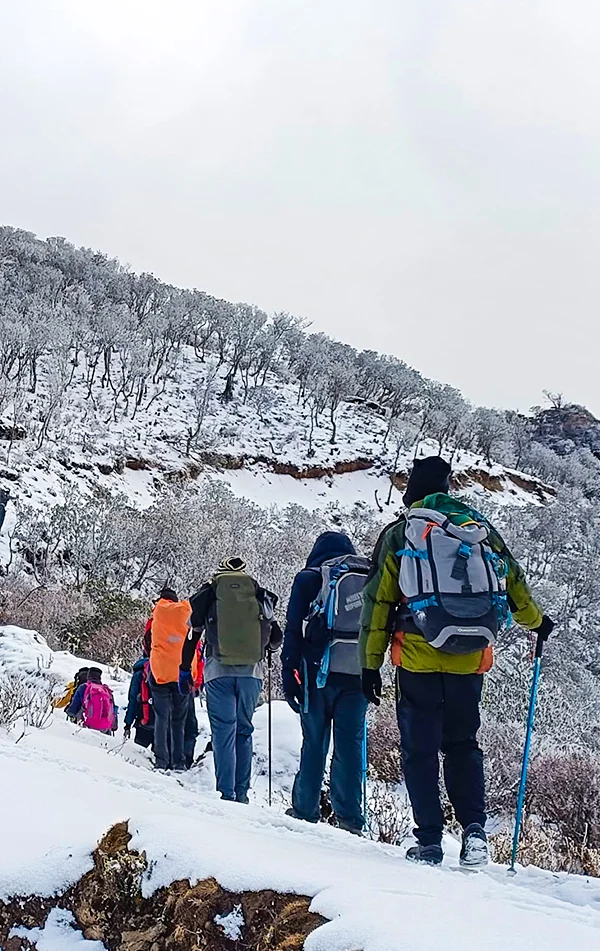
(270, 725)
(537, 662)
(365, 766)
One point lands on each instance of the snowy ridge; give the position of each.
(63, 787)
(258, 448)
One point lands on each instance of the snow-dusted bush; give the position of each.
(389, 815)
(383, 741)
(25, 699)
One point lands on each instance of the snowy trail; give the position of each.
(62, 788)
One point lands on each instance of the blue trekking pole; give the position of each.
(537, 662)
(365, 766)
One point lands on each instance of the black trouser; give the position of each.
(440, 712)
(190, 733)
(170, 712)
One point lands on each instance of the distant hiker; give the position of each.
(93, 704)
(60, 703)
(140, 709)
(170, 625)
(236, 615)
(321, 678)
(4, 497)
(443, 585)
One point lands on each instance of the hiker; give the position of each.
(4, 497)
(140, 710)
(442, 586)
(169, 628)
(60, 703)
(93, 704)
(321, 679)
(236, 615)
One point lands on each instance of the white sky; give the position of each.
(419, 177)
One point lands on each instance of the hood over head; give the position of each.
(329, 545)
(427, 476)
(168, 594)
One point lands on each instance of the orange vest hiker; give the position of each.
(169, 631)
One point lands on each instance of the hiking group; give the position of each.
(440, 588)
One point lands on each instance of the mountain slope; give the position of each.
(62, 788)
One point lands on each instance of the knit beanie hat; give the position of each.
(232, 564)
(427, 476)
(94, 675)
(167, 594)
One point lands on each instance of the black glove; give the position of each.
(293, 689)
(126, 732)
(371, 685)
(276, 638)
(544, 630)
(4, 496)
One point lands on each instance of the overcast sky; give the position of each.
(420, 177)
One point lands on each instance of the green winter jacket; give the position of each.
(382, 595)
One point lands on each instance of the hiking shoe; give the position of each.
(291, 812)
(475, 850)
(426, 854)
(347, 827)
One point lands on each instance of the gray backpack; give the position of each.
(338, 607)
(454, 584)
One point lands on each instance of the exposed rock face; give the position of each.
(108, 906)
(563, 427)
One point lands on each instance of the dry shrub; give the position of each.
(384, 741)
(118, 644)
(564, 791)
(389, 816)
(99, 623)
(561, 827)
(47, 610)
(546, 848)
(25, 698)
(502, 745)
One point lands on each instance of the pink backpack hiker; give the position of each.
(98, 708)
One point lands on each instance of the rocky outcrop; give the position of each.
(108, 906)
(562, 427)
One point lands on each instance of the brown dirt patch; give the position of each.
(108, 906)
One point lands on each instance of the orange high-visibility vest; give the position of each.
(169, 631)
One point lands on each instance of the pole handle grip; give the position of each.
(539, 645)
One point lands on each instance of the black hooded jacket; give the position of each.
(298, 645)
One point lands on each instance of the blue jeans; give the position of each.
(440, 713)
(231, 702)
(341, 704)
(170, 712)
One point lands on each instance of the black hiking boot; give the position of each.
(291, 812)
(475, 851)
(347, 826)
(426, 854)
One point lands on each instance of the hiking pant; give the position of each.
(440, 713)
(170, 712)
(231, 702)
(190, 733)
(341, 704)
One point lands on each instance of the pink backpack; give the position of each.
(98, 707)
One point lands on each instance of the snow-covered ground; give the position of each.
(61, 788)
